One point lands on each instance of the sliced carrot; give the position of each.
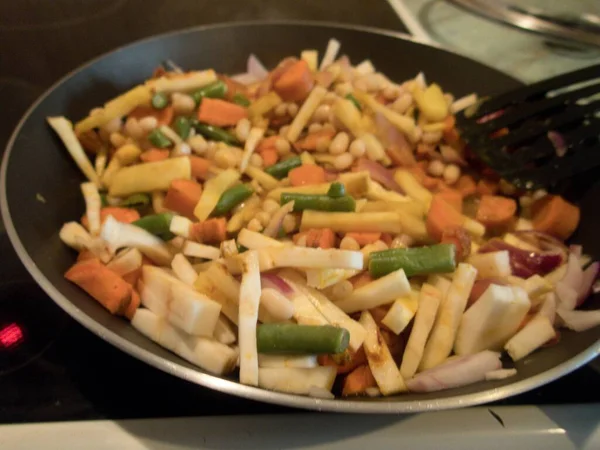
(125, 215)
(134, 304)
(324, 78)
(358, 381)
(307, 174)
(495, 211)
(133, 276)
(108, 288)
(163, 116)
(295, 83)
(460, 239)
(449, 123)
(90, 141)
(296, 237)
(466, 185)
(200, 167)
(182, 197)
(84, 255)
(552, 214)
(364, 238)
(269, 156)
(211, 231)
(441, 216)
(320, 238)
(154, 154)
(220, 113)
(267, 143)
(453, 197)
(346, 362)
(485, 186)
(310, 141)
(233, 87)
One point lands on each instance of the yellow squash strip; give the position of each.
(92, 206)
(411, 207)
(306, 111)
(148, 177)
(118, 107)
(307, 158)
(213, 189)
(263, 178)
(256, 134)
(182, 83)
(248, 317)
(384, 222)
(264, 104)
(311, 57)
(412, 187)
(64, 129)
(431, 102)
(128, 154)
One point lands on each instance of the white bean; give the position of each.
(148, 123)
(225, 159)
(284, 130)
(112, 126)
(328, 127)
(380, 245)
(343, 161)
(329, 98)
(342, 289)
(242, 130)
(343, 89)
(182, 103)
(314, 127)
(403, 102)
(436, 168)
(292, 109)
(263, 217)
(349, 243)
(117, 140)
(133, 129)
(281, 110)
(256, 160)
(339, 144)
(289, 223)
(323, 144)
(357, 148)
(270, 205)
(451, 174)
(282, 146)
(391, 92)
(301, 242)
(321, 114)
(254, 225)
(198, 144)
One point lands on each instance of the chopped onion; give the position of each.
(523, 263)
(333, 47)
(245, 78)
(543, 241)
(588, 282)
(256, 68)
(463, 103)
(558, 141)
(579, 320)
(379, 174)
(396, 144)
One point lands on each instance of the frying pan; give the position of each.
(36, 166)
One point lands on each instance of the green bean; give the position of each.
(231, 198)
(353, 99)
(301, 339)
(241, 99)
(182, 127)
(159, 100)
(158, 139)
(415, 261)
(215, 133)
(336, 190)
(281, 169)
(218, 89)
(136, 201)
(318, 202)
(157, 224)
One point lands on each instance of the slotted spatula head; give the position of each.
(540, 134)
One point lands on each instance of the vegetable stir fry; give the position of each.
(316, 222)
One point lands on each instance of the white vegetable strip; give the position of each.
(333, 47)
(180, 226)
(306, 111)
(548, 307)
(296, 380)
(532, 336)
(401, 312)
(376, 293)
(500, 374)
(92, 206)
(317, 258)
(277, 304)
(65, 132)
(567, 296)
(492, 320)
(332, 313)
(224, 332)
(323, 278)
(276, 221)
(126, 262)
(256, 134)
(118, 235)
(208, 354)
(442, 336)
(292, 361)
(579, 320)
(441, 283)
(311, 57)
(75, 236)
(192, 311)
(253, 240)
(213, 189)
(382, 364)
(490, 265)
(248, 317)
(456, 372)
(463, 103)
(183, 269)
(429, 301)
(196, 250)
(186, 82)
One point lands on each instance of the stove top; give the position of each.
(51, 368)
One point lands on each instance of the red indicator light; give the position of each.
(10, 335)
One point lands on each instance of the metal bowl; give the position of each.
(35, 163)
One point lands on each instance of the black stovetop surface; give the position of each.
(51, 368)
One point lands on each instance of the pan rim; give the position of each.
(233, 387)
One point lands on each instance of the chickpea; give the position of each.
(182, 103)
(451, 174)
(436, 168)
(343, 161)
(357, 148)
(283, 146)
(198, 144)
(349, 243)
(242, 130)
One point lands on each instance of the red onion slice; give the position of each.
(397, 146)
(543, 241)
(256, 68)
(558, 141)
(379, 174)
(276, 282)
(274, 225)
(523, 263)
(588, 280)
